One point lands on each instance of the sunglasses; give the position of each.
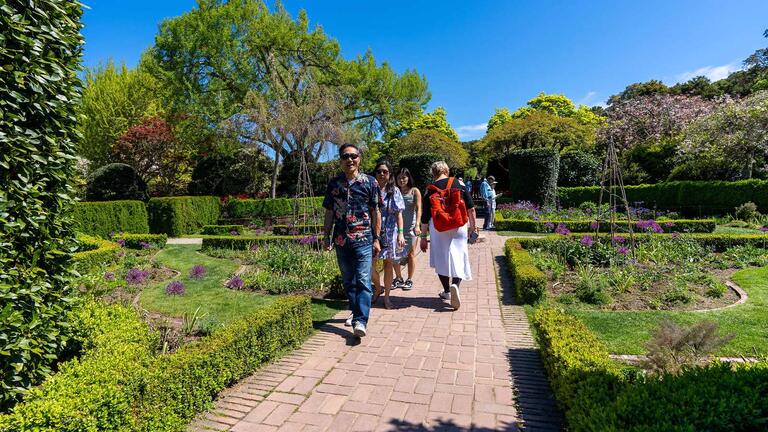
(348, 156)
(382, 172)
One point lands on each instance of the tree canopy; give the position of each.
(539, 129)
(431, 141)
(436, 120)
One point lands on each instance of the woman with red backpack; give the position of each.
(449, 217)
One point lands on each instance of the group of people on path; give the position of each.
(375, 223)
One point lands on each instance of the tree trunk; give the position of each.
(275, 171)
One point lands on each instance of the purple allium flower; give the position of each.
(675, 234)
(619, 239)
(308, 240)
(235, 283)
(669, 224)
(234, 232)
(121, 242)
(254, 247)
(764, 229)
(145, 245)
(252, 226)
(549, 226)
(175, 288)
(259, 231)
(587, 241)
(562, 230)
(197, 272)
(294, 231)
(649, 225)
(109, 276)
(622, 250)
(136, 276)
(120, 253)
(593, 225)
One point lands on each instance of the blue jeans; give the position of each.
(488, 221)
(354, 260)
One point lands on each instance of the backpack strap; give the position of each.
(450, 183)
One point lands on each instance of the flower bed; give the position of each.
(246, 243)
(549, 226)
(222, 230)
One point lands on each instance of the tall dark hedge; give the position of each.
(40, 47)
(176, 216)
(105, 217)
(214, 175)
(420, 167)
(578, 168)
(533, 175)
(114, 182)
(499, 169)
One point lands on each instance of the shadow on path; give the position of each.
(442, 425)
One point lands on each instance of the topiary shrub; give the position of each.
(116, 182)
(177, 216)
(41, 46)
(578, 168)
(533, 175)
(105, 217)
(419, 165)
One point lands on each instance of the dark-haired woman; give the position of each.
(411, 214)
(391, 239)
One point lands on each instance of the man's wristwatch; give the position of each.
(374, 237)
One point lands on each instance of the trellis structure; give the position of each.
(612, 187)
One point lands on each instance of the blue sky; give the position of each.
(480, 55)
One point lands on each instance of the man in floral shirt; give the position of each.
(352, 224)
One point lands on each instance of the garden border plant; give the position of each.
(541, 226)
(529, 282)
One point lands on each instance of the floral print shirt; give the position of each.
(351, 202)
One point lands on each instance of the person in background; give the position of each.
(486, 193)
(411, 217)
(352, 224)
(392, 239)
(492, 203)
(449, 253)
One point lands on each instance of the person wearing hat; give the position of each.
(488, 192)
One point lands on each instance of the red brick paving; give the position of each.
(422, 367)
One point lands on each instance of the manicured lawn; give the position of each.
(625, 332)
(209, 293)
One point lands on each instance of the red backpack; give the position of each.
(449, 211)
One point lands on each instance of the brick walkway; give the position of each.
(422, 367)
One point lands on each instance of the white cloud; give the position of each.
(714, 73)
(468, 132)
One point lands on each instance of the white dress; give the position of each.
(448, 252)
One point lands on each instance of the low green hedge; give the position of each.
(296, 230)
(137, 241)
(538, 226)
(529, 282)
(688, 197)
(714, 241)
(268, 207)
(596, 395)
(176, 216)
(117, 385)
(105, 217)
(243, 243)
(94, 252)
(221, 229)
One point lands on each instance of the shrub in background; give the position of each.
(115, 182)
(41, 47)
(221, 229)
(139, 241)
(419, 165)
(269, 207)
(105, 217)
(177, 216)
(747, 212)
(578, 168)
(533, 175)
(245, 171)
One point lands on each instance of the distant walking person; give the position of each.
(411, 217)
(352, 224)
(392, 239)
(449, 217)
(491, 203)
(486, 193)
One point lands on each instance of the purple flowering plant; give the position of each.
(562, 230)
(109, 276)
(235, 282)
(175, 288)
(121, 242)
(549, 226)
(197, 272)
(136, 276)
(587, 241)
(145, 245)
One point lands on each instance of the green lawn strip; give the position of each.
(625, 332)
(221, 305)
(721, 229)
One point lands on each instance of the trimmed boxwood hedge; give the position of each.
(221, 229)
(117, 384)
(267, 207)
(301, 229)
(715, 242)
(537, 226)
(134, 241)
(176, 216)
(597, 395)
(695, 198)
(529, 282)
(101, 218)
(93, 253)
(243, 243)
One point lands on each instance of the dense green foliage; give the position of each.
(243, 242)
(431, 141)
(434, 121)
(688, 197)
(105, 217)
(221, 229)
(118, 385)
(93, 253)
(267, 207)
(295, 230)
(114, 182)
(41, 46)
(245, 171)
(533, 175)
(142, 241)
(539, 129)
(715, 242)
(529, 282)
(177, 216)
(584, 226)
(419, 165)
(579, 168)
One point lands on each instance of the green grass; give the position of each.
(721, 229)
(221, 304)
(625, 332)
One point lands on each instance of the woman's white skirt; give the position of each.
(448, 252)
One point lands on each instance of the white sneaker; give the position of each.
(455, 299)
(444, 295)
(348, 322)
(360, 330)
